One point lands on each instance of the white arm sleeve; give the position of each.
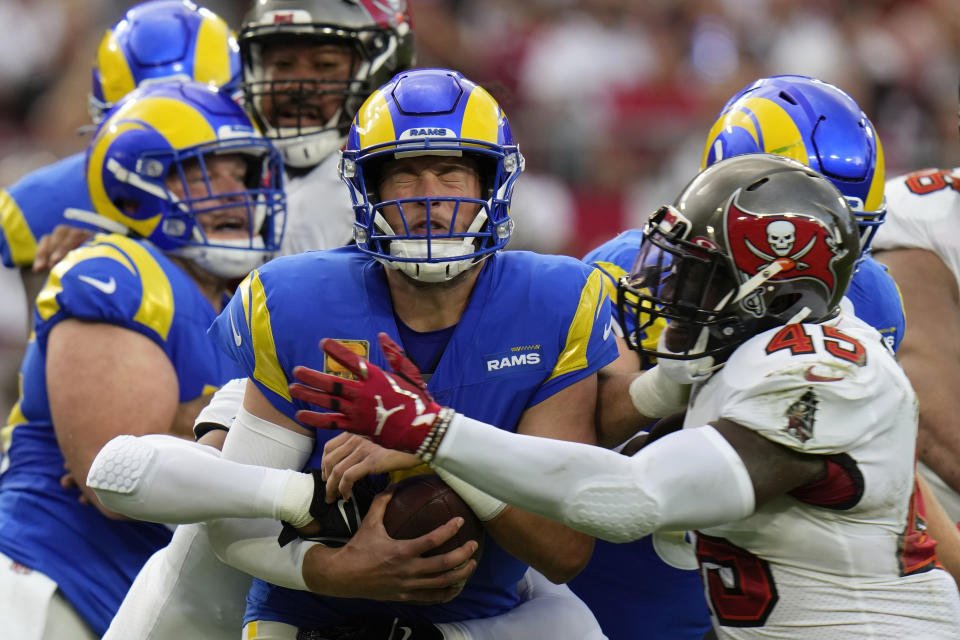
(224, 405)
(250, 545)
(547, 611)
(162, 478)
(688, 479)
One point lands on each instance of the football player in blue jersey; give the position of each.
(121, 342)
(431, 165)
(48, 212)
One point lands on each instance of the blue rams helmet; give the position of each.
(163, 40)
(431, 112)
(815, 123)
(147, 169)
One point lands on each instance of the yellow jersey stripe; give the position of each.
(23, 246)
(615, 272)
(47, 305)
(156, 302)
(574, 354)
(266, 369)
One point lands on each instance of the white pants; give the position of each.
(32, 608)
(182, 592)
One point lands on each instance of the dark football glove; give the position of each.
(334, 524)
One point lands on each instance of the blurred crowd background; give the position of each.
(610, 100)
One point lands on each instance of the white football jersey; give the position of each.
(923, 212)
(319, 212)
(845, 557)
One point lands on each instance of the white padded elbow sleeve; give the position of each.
(688, 479)
(161, 478)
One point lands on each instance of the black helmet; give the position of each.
(379, 35)
(752, 242)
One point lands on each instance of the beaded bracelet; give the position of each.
(428, 448)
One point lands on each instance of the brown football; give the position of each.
(422, 503)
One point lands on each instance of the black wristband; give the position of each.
(203, 428)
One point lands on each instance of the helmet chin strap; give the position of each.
(687, 371)
(230, 259)
(306, 147)
(698, 369)
(441, 248)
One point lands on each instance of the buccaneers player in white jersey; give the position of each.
(796, 461)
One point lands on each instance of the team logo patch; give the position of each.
(334, 368)
(517, 359)
(801, 415)
(799, 243)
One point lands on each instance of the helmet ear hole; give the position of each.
(783, 303)
(159, 167)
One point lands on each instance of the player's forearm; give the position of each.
(687, 479)
(617, 418)
(942, 529)
(250, 545)
(628, 402)
(939, 448)
(938, 439)
(161, 478)
(553, 549)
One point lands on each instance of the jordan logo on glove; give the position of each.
(377, 404)
(383, 414)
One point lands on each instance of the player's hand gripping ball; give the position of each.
(422, 503)
(392, 408)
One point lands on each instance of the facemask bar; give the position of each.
(869, 223)
(488, 232)
(262, 197)
(681, 282)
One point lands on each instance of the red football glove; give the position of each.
(394, 409)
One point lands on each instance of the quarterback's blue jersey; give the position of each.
(651, 599)
(34, 206)
(533, 326)
(119, 281)
(876, 300)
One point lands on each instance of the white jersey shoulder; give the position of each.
(815, 388)
(923, 212)
(319, 211)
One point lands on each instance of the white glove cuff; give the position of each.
(655, 395)
(483, 504)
